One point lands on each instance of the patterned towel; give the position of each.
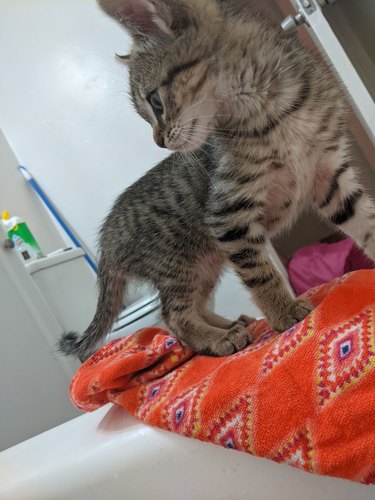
(305, 397)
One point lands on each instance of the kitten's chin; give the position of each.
(186, 146)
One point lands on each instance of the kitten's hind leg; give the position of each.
(216, 320)
(342, 202)
(184, 309)
(206, 284)
(192, 326)
(194, 331)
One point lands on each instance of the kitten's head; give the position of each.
(173, 66)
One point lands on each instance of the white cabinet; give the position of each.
(34, 381)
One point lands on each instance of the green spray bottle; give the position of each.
(22, 237)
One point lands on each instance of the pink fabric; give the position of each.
(322, 262)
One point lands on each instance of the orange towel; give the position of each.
(305, 397)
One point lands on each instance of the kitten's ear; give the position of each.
(144, 19)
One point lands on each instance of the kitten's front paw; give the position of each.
(236, 339)
(296, 312)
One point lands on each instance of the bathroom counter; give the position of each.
(109, 454)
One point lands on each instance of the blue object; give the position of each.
(33, 183)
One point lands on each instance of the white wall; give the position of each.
(18, 197)
(64, 106)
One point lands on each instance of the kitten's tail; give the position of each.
(110, 302)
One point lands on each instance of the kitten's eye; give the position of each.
(155, 102)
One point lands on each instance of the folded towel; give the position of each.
(305, 397)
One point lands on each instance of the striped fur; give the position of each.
(258, 130)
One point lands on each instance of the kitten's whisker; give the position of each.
(218, 129)
(189, 109)
(194, 161)
(193, 105)
(211, 116)
(196, 104)
(204, 130)
(200, 148)
(196, 118)
(208, 130)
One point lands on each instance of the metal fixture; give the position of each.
(291, 23)
(304, 8)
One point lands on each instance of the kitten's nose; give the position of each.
(158, 137)
(160, 142)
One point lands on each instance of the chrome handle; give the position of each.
(291, 23)
(304, 8)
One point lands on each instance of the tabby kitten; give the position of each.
(258, 130)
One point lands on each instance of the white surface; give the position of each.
(65, 109)
(34, 382)
(51, 260)
(109, 455)
(232, 299)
